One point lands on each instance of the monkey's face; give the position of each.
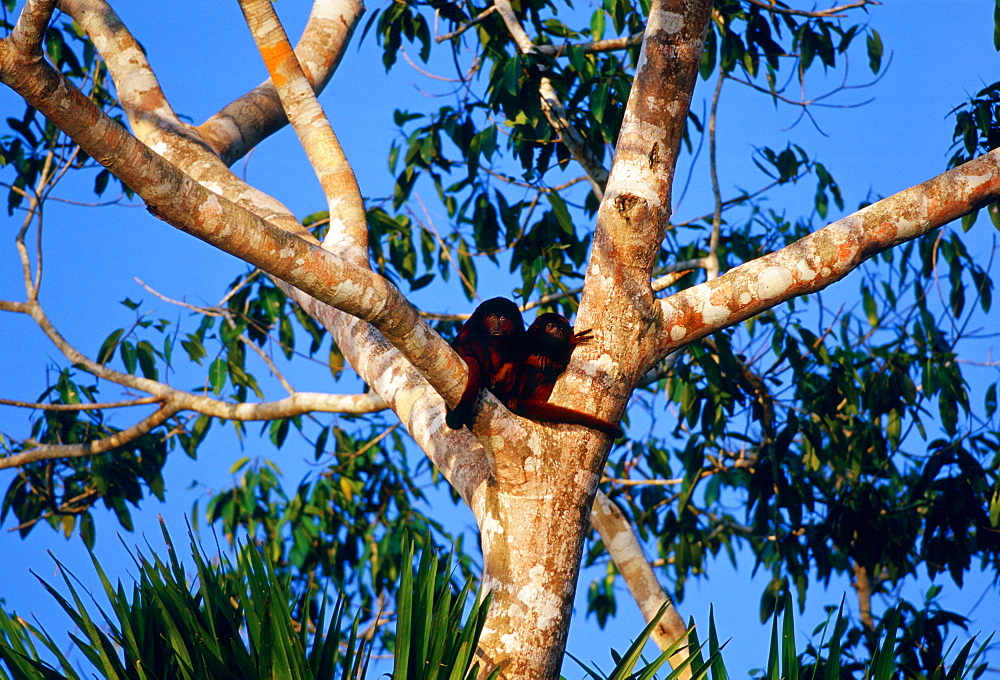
(498, 325)
(557, 332)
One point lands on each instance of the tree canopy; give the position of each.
(841, 434)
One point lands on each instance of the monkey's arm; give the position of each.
(462, 413)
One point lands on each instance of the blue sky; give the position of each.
(941, 53)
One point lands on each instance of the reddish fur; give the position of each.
(549, 342)
(491, 343)
(519, 367)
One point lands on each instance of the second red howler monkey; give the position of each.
(549, 342)
(519, 368)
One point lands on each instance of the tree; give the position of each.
(818, 425)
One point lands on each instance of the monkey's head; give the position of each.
(551, 328)
(499, 318)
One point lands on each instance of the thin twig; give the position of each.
(711, 261)
(207, 311)
(465, 27)
(552, 106)
(270, 364)
(120, 438)
(641, 482)
(609, 45)
(815, 14)
(79, 407)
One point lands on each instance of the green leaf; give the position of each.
(147, 359)
(128, 355)
(320, 447)
(625, 666)
(868, 304)
(995, 507)
(101, 181)
(789, 658)
(597, 24)
(882, 666)
(195, 349)
(836, 640)
(993, 210)
(109, 346)
(217, 374)
(512, 75)
(969, 219)
(467, 267)
(598, 101)
(561, 212)
(874, 51)
(996, 25)
(279, 431)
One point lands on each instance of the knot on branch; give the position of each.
(626, 203)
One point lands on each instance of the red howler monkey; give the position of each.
(491, 342)
(549, 341)
(519, 367)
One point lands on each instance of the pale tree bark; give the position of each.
(531, 487)
(624, 548)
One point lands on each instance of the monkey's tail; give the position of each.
(544, 412)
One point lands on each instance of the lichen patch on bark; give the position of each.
(773, 281)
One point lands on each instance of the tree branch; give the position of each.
(182, 202)
(29, 31)
(156, 125)
(623, 546)
(48, 452)
(711, 261)
(96, 406)
(829, 254)
(465, 27)
(457, 454)
(634, 216)
(609, 45)
(245, 122)
(772, 6)
(136, 85)
(553, 108)
(173, 400)
(348, 223)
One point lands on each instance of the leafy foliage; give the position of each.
(62, 492)
(35, 142)
(348, 526)
(848, 435)
(240, 620)
(977, 130)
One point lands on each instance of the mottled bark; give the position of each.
(827, 255)
(530, 486)
(630, 559)
(535, 513)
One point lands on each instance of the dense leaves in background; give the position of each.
(830, 439)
